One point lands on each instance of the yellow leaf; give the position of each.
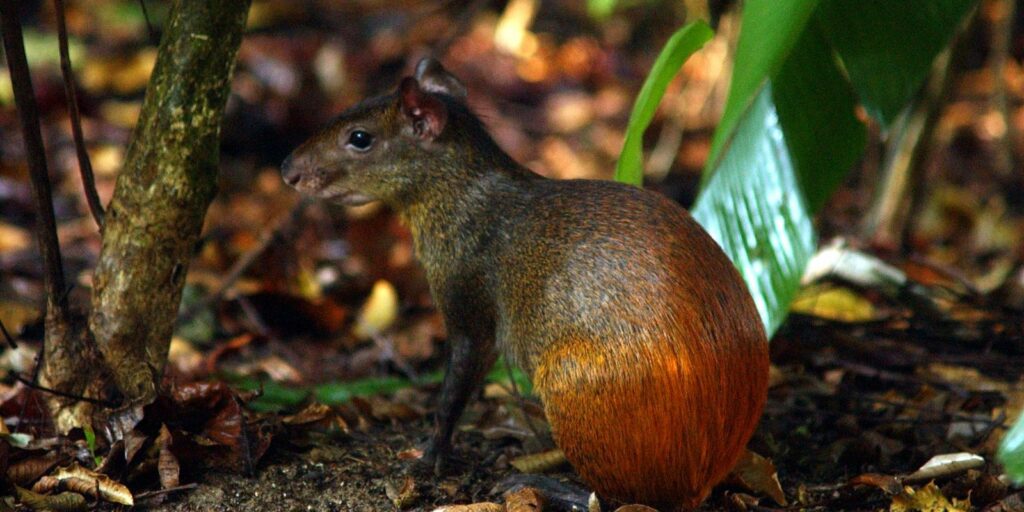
(927, 499)
(379, 312)
(841, 304)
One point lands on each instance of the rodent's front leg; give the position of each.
(468, 363)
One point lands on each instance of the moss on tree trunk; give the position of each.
(161, 197)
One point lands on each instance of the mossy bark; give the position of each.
(168, 181)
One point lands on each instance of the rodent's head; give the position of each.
(384, 147)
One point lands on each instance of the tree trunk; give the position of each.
(169, 178)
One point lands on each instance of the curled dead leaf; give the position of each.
(945, 465)
(29, 470)
(106, 487)
(404, 496)
(167, 463)
(318, 416)
(63, 502)
(758, 474)
(45, 484)
(539, 462)
(524, 499)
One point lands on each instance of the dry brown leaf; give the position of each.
(524, 499)
(109, 490)
(888, 484)
(327, 453)
(134, 441)
(318, 416)
(758, 474)
(410, 454)
(539, 462)
(26, 471)
(927, 499)
(973, 380)
(404, 496)
(312, 413)
(636, 507)
(45, 484)
(63, 502)
(383, 409)
(167, 464)
(473, 507)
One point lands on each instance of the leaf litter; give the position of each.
(868, 383)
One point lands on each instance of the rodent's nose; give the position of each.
(291, 174)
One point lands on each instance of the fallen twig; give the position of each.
(158, 492)
(243, 263)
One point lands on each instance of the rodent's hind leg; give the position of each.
(558, 496)
(468, 363)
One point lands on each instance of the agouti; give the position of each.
(639, 334)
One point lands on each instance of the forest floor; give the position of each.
(866, 385)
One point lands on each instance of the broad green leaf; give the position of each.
(887, 46)
(791, 148)
(277, 397)
(768, 31)
(753, 208)
(1011, 451)
(682, 44)
(341, 392)
(816, 108)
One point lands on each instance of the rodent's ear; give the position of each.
(427, 113)
(433, 77)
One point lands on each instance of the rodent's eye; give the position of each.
(360, 140)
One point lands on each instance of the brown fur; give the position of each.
(641, 337)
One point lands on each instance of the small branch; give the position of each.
(28, 115)
(150, 494)
(70, 396)
(243, 263)
(153, 39)
(84, 165)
